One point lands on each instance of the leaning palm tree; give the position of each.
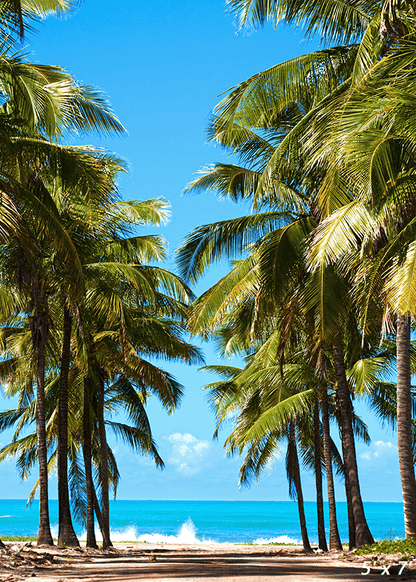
(375, 219)
(129, 379)
(117, 282)
(255, 399)
(38, 102)
(246, 397)
(320, 85)
(285, 197)
(380, 26)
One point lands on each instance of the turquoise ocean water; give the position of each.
(215, 521)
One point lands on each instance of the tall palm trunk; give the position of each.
(39, 327)
(318, 479)
(105, 506)
(334, 539)
(66, 535)
(97, 510)
(44, 535)
(352, 543)
(404, 425)
(362, 531)
(294, 477)
(91, 541)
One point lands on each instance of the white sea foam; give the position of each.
(278, 540)
(185, 535)
(5, 516)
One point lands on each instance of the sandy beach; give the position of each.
(192, 563)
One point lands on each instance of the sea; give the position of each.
(199, 522)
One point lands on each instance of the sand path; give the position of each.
(179, 563)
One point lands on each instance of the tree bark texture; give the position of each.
(91, 541)
(404, 425)
(44, 534)
(39, 328)
(334, 539)
(97, 510)
(351, 522)
(66, 535)
(105, 506)
(318, 480)
(362, 532)
(295, 474)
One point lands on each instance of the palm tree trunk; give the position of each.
(334, 539)
(66, 535)
(97, 510)
(44, 535)
(362, 531)
(295, 476)
(105, 506)
(91, 541)
(318, 479)
(404, 425)
(352, 543)
(351, 523)
(39, 329)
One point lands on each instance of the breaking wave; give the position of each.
(185, 535)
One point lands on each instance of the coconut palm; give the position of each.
(274, 180)
(37, 102)
(244, 400)
(15, 15)
(343, 22)
(107, 254)
(378, 212)
(393, 21)
(132, 380)
(253, 103)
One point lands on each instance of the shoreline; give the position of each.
(198, 521)
(128, 562)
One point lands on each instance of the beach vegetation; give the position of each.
(319, 300)
(82, 307)
(325, 145)
(406, 547)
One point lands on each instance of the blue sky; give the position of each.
(163, 66)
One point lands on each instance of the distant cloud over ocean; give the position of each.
(189, 454)
(380, 450)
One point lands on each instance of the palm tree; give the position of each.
(343, 22)
(380, 209)
(241, 396)
(132, 380)
(109, 301)
(393, 21)
(45, 102)
(37, 102)
(275, 180)
(318, 478)
(245, 108)
(15, 14)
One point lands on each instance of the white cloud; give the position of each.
(189, 455)
(380, 450)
